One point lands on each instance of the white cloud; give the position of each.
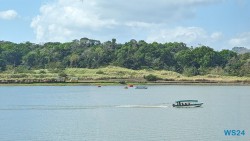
(178, 34)
(193, 36)
(216, 36)
(8, 15)
(64, 20)
(241, 40)
(136, 24)
(151, 10)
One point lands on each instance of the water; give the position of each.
(112, 113)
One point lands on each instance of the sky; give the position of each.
(220, 24)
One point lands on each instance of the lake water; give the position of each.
(112, 113)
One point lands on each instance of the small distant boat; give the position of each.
(131, 85)
(187, 103)
(141, 87)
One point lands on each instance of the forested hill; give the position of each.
(241, 50)
(87, 53)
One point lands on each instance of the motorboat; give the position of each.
(187, 103)
(141, 87)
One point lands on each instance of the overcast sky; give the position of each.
(220, 24)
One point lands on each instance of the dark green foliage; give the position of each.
(2, 65)
(88, 53)
(99, 72)
(226, 55)
(22, 69)
(190, 71)
(42, 72)
(239, 66)
(151, 77)
(122, 82)
(62, 74)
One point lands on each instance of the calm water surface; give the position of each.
(112, 113)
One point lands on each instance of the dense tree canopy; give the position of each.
(87, 53)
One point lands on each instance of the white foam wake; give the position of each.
(142, 106)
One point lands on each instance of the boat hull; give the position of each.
(141, 87)
(188, 106)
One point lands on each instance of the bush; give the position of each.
(62, 74)
(191, 71)
(99, 72)
(18, 75)
(122, 82)
(151, 77)
(217, 71)
(42, 72)
(21, 69)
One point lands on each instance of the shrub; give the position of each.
(122, 82)
(62, 74)
(99, 72)
(191, 71)
(21, 69)
(151, 77)
(42, 72)
(18, 75)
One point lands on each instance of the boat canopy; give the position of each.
(186, 101)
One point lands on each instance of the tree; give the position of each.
(30, 59)
(2, 65)
(233, 66)
(12, 54)
(186, 58)
(89, 53)
(226, 55)
(74, 58)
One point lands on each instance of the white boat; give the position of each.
(187, 103)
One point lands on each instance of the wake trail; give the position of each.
(80, 107)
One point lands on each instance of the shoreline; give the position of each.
(117, 83)
(111, 75)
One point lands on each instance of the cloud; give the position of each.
(192, 36)
(138, 24)
(8, 15)
(216, 36)
(151, 10)
(241, 40)
(64, 20)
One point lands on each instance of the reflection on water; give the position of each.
(113, 113)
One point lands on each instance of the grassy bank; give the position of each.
(111, 75)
